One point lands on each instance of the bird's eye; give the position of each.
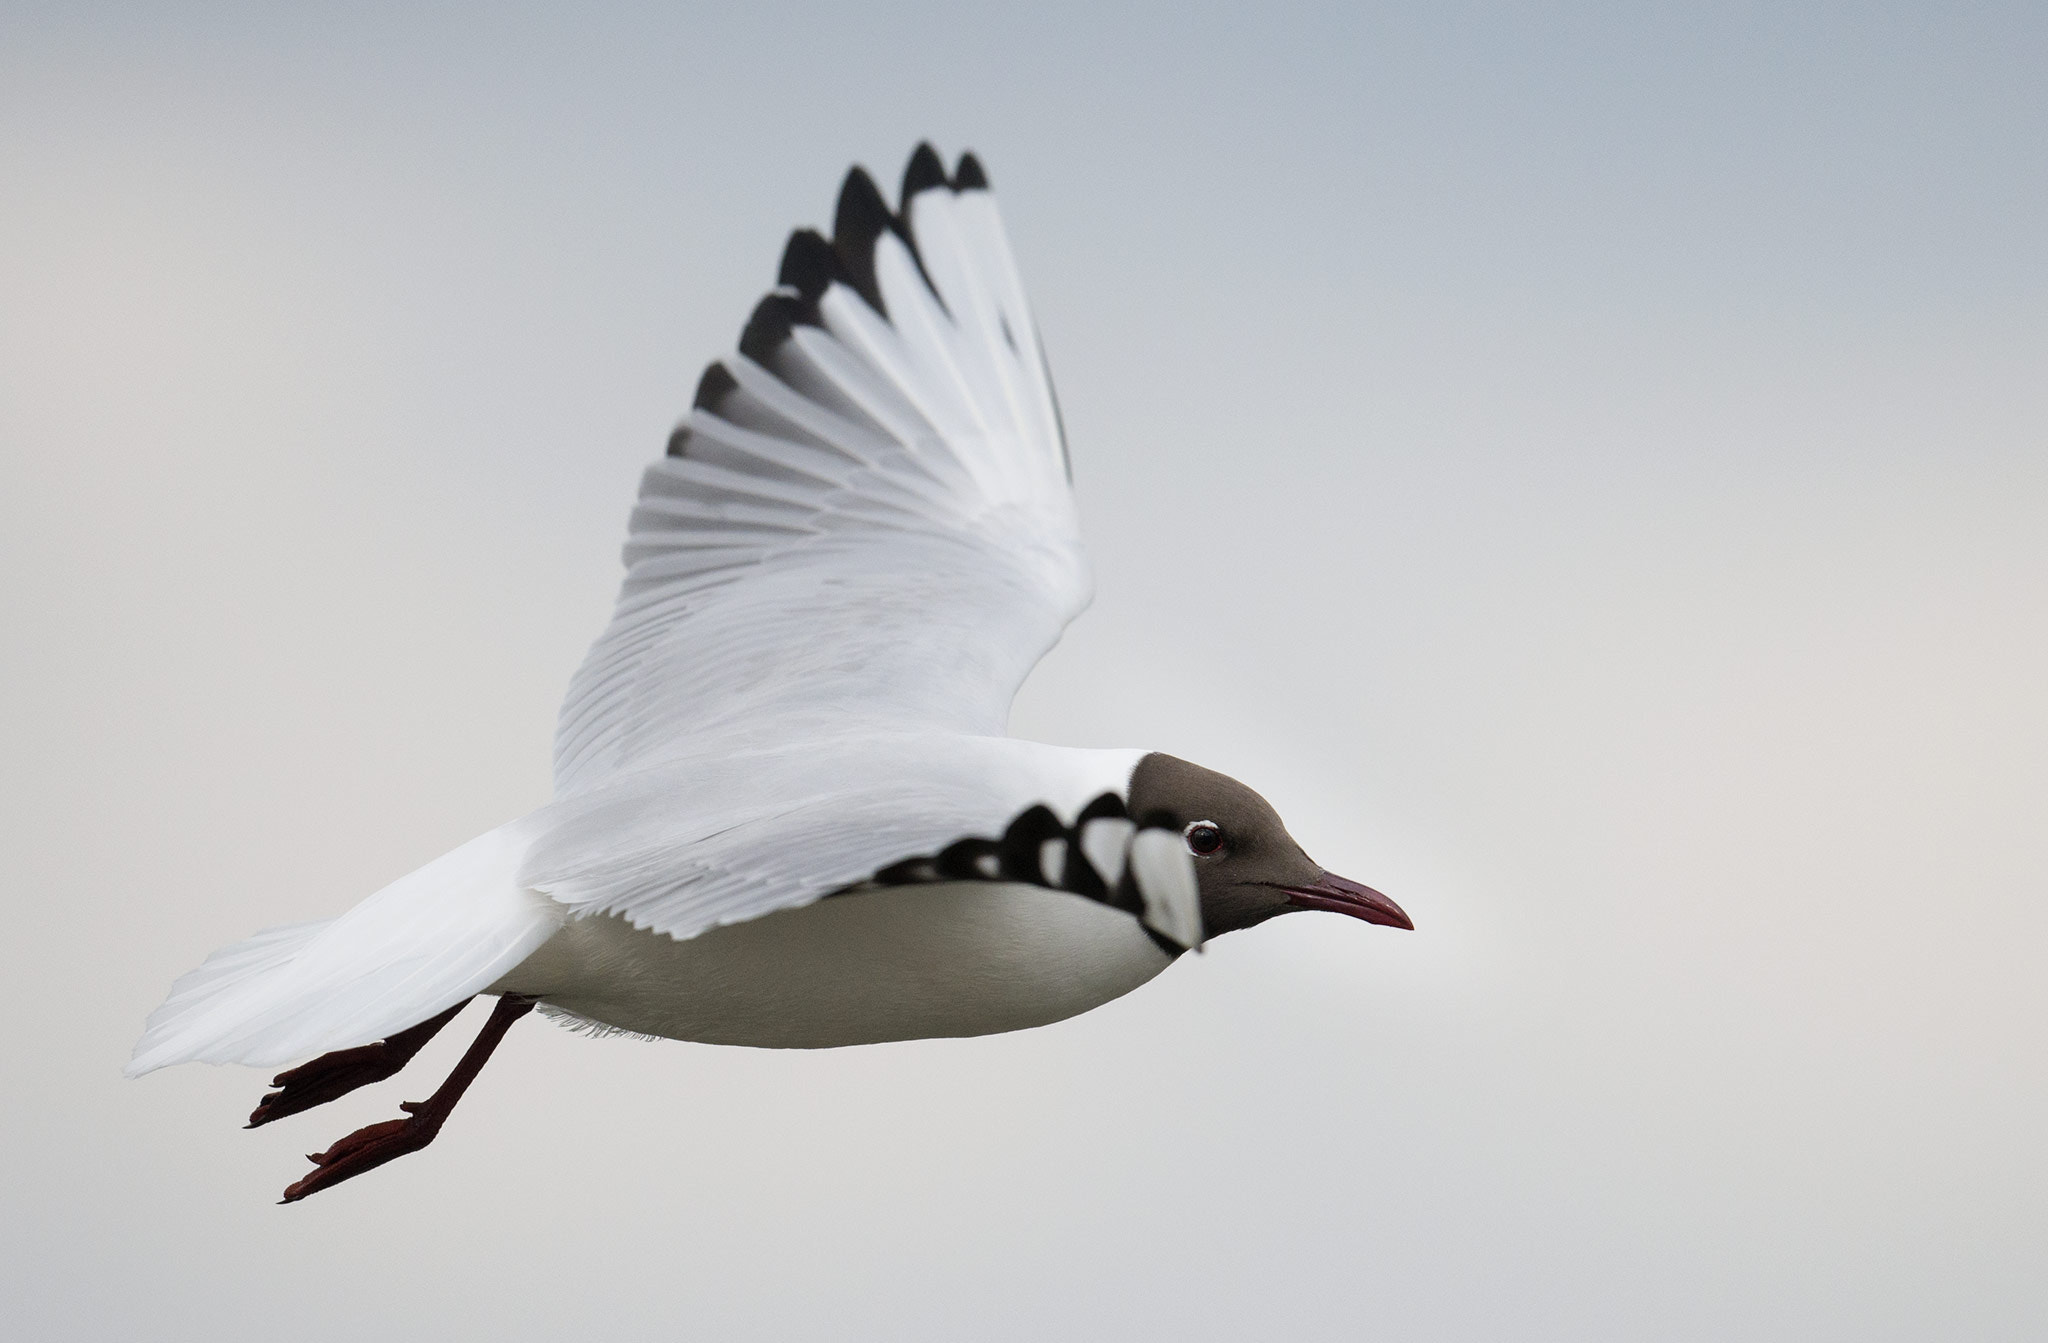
(1204, 838)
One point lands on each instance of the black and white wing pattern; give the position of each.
(737, 830)
(1104, 856)
(866, 518)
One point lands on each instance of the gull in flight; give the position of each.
(786, 810)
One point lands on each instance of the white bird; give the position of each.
(786, 811)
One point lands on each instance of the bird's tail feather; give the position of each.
(417, 947)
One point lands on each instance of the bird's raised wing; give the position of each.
(866, 518)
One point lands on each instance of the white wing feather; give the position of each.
(876, 531)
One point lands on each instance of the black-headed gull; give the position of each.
(786, 811)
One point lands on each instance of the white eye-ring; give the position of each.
(1204, 838)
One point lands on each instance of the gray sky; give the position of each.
(1588, 466)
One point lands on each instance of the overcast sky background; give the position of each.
(1587, 465)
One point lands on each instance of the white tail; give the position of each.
(417, 947)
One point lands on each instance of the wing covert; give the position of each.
(737, 831)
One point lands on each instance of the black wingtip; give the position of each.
(679, 441)
(969, 176)
(770, 325)
(861, 218)
(924, 171)
(809, 265)
(716, 384)
(862, 213)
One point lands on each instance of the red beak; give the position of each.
(1334, 893)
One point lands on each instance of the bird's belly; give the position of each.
(895, 963)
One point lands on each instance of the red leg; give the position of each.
(334, 1075)
(369, 1148)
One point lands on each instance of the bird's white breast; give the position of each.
(889, 963)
